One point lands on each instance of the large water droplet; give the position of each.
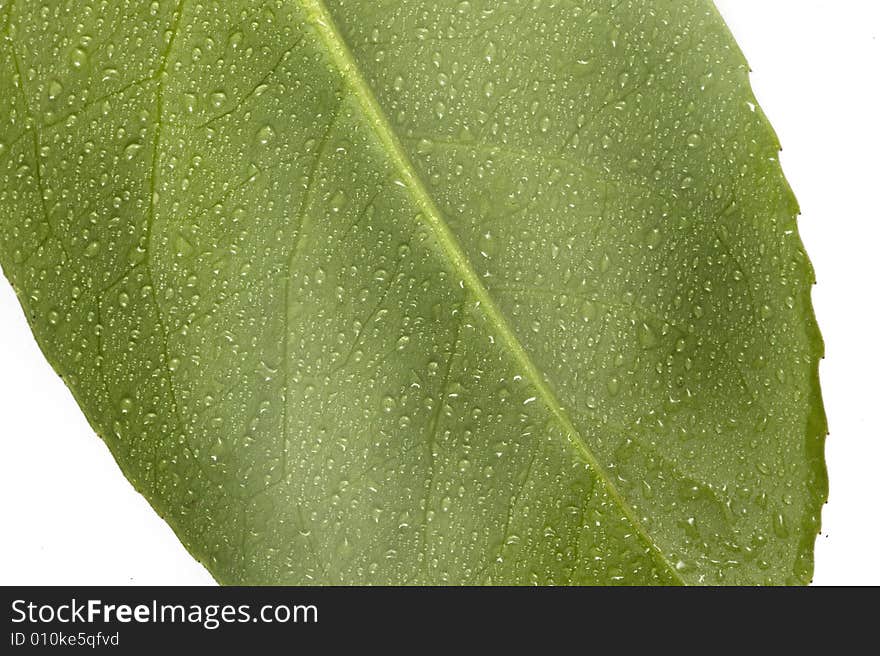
(266, 134)
(78, 58)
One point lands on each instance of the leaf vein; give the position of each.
(321, 18)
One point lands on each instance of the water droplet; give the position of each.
(132, 149)
(265, 134)
(78, 58)
(338, 201)
(589, 311)
(217, 99)
(780, 527)
(491, 51)
(647, 338)
(126, 405)
(54, 89)
(182, 246)
(614, 386)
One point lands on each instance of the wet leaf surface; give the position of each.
(417, 292)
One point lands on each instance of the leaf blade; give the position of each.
(262, 490)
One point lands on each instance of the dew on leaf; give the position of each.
(448, 294)
(78, 58)
(54, 89)
(265, 134)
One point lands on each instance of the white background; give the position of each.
(70, 517)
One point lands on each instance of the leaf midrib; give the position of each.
(322, 20)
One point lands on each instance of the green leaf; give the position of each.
(364, 291)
